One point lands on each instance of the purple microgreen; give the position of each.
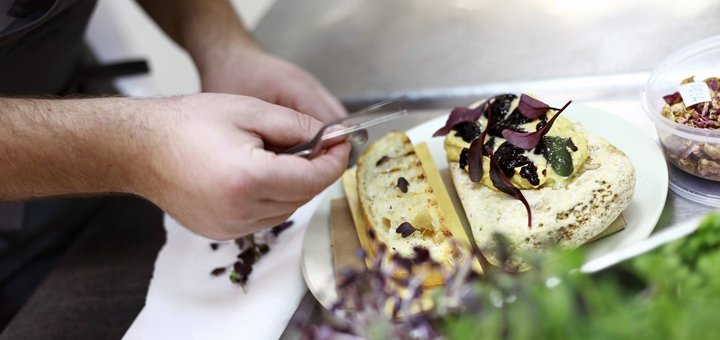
(371, 234)
(251, 248)
(402, 184)
(263, 249)
(475, 153)
(242, 268)
(402, 262)
(396, 307)
(421, 254)
(347, 277)
(672, 98)
(361, 253)
(532, 108)
(248, 256)
(382, 160)
(218, 271)
(502, 183)
(459, 115)
(276, 230)
(529, 140)
(405, 229)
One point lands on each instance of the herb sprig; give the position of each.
(251, 248)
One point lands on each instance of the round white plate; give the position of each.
(641, 214)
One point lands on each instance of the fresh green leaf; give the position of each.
(557, 153)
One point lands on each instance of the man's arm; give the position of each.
(230, 61)
(69, 147)
(202, 158)
(211, 31)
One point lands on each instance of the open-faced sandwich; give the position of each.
(523, 170)
(393, 197)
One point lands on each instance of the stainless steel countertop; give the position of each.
(365, 50)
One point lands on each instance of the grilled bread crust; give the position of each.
(567, 217)
(385, 204)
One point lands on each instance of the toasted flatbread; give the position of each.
(386, 205)
(566, 217)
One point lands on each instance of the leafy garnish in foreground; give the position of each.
(672, 292)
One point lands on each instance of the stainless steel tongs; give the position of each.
(353, 126)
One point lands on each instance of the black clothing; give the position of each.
(41, 53)
(40, 50)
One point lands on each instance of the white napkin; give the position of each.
(185, 302)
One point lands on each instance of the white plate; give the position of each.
(641, 214)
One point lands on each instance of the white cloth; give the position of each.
(185, 302)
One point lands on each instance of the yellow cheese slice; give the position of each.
(443, 197)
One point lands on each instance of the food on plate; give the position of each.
(695, 156)
(523, 170)
(401, 208)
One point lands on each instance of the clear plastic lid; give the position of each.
(681, 142)
(693, 188)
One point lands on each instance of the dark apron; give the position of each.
(40, 54)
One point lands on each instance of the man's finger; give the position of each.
(291, 178)
(278, 125)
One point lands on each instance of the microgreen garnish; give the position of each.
(402, 184)
(405, 229)
(502, 183)
(531, 107)
(252, 247)
(529, 140)
(421, 254)
(218, 271)
(276, 230)
(475, 154)
(476, 151)
(459, 115)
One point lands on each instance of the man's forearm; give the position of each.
(206, 29)
(69, 147)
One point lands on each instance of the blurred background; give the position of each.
(434, 51)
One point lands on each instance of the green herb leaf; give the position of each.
(557, 153)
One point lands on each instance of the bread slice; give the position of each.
(386, 205)
(565, 217)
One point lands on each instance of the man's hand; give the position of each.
(202, 158)
(230, 61)
(215, 175)
(252, 72)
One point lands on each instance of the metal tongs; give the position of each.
(353, 126)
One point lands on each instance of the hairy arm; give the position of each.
(210, 31)
(202, 158)
(230, 61)
(67, 147)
